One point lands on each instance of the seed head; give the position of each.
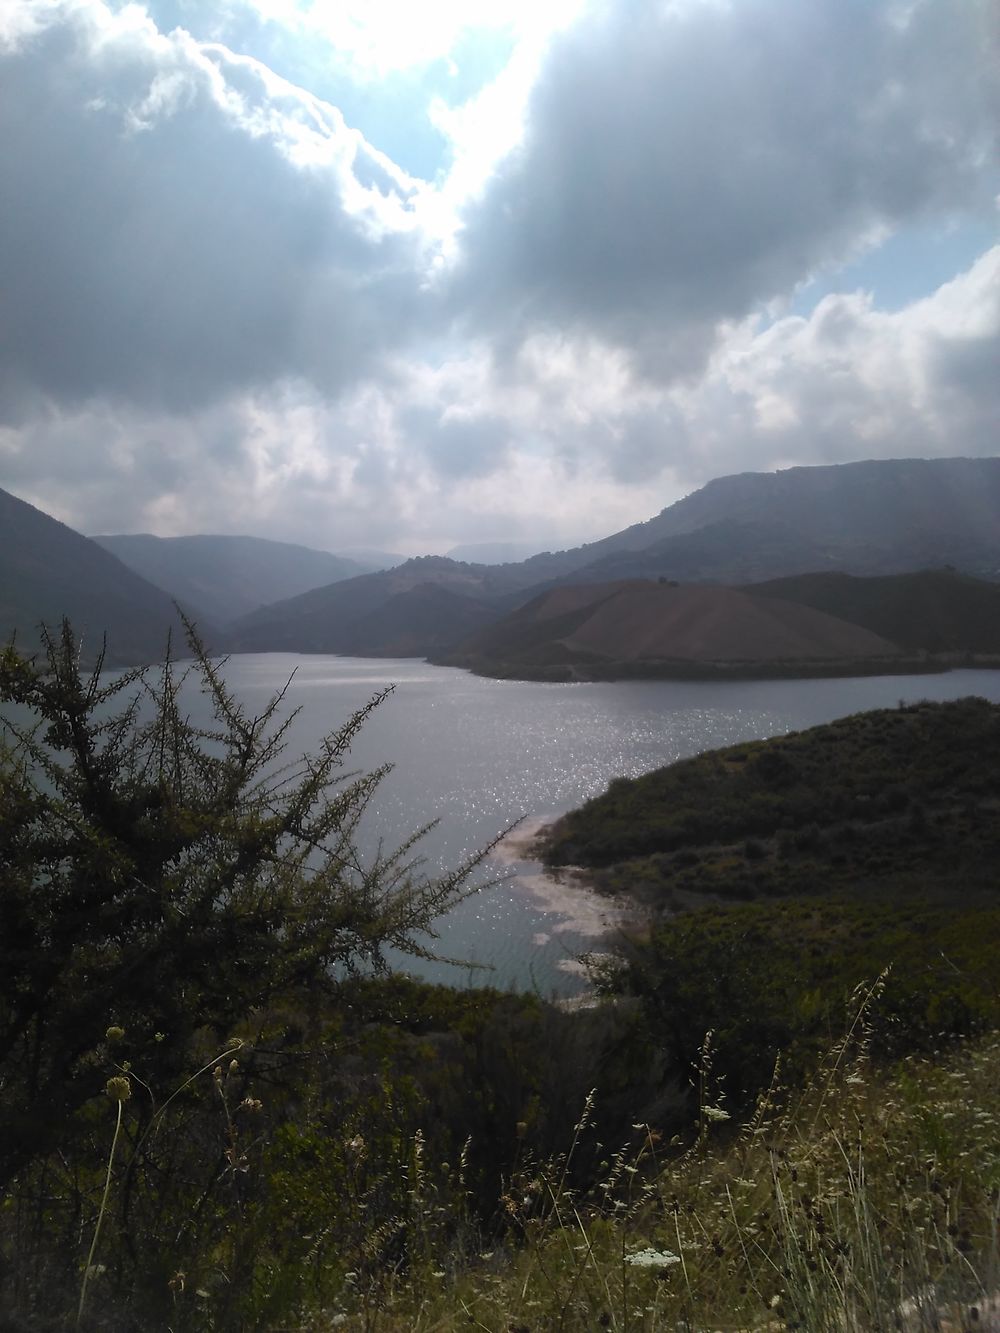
(119, 1089)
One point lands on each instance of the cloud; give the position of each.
(184, 224)
(571, 443)
(223, 309)
(687, 161)
(852, 381)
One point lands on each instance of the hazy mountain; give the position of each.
(632, 622)
(493, 553)
(48, 571)
(885, 504)
(424, 619)
(870, 517)
(935, 611)
(855, 518)
(860, 518)
(723, 552)
(225, 577)
(355, 616)
(372, 560)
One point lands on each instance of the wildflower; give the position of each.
(650, 1258)
(114, 1033)
(118, 1089)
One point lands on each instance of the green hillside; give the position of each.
(894, 800)
(48, 571)
(933, 611)
(778, 876)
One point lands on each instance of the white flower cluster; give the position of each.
(650, 1258)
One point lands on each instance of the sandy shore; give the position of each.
(566, 893)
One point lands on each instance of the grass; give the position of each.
(865, 1199)
(868, 1203)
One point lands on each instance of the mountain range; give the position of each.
(48, 571)
(828, 624)
(865, 519)
(222, 578)
(861, 521)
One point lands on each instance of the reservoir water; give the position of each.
(478, 754)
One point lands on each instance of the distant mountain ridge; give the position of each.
(874, 517)
(884, 502)
(355, 617)
(223, 577)
(855, 519)
(48, 571)
(492, 553)
(868, 518)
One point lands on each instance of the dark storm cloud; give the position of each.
(157, 242)
(684, 162)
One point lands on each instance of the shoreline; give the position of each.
(592, 672)
(568, 892)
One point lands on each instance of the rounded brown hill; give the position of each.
(641, 621)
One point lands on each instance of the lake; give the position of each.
(478, 754)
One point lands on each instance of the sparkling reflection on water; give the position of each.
(477, 755)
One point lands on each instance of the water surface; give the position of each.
(478, 754)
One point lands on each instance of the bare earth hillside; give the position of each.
(640, 622)
(652, 620)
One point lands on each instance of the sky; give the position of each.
(374, 274)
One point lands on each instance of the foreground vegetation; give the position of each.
(870, 1202)
(219, 1111)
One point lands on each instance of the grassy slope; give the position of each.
(925, 621)
(935, 611)
(867, 1204)
(825, 857)
(48, 571)
(883, 802)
